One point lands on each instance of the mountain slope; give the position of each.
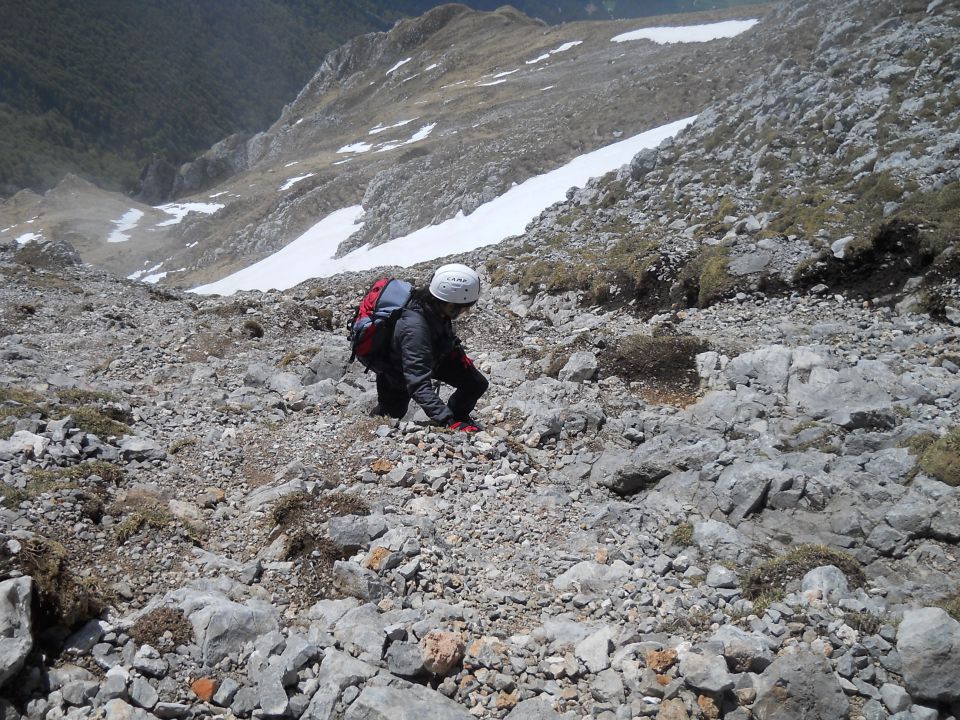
(837, 169)
(433, 118)
(101, 88)
(748, 506)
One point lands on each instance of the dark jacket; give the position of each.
(422, 339)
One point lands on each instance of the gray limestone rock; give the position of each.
(845, 397)
(330, 362)
(266, 494)
(706, 673)
(625, 472)
(743, 651)
(226, 692)
(220, 625)
(119, 710)
(826, 583)
(928, 641)
(800, 684)
(895, 698)
(273, 696)
(719, 540)
(767, 368)
(581, 366)
(413, 703)
(592, 576)
(79, 692)
(405, 659)
(643, 163)
(537, 708)
(137, 448)
(742, 488)
(16, 625)
(353, 532)
(719, 576)
(143, 694)
(358, 582)
(594, 651)
(607, 687)
(361, 632)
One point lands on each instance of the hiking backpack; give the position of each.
(371, 329)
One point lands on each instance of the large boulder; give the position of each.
(767, 368)
(706, 673)
(928, 641)
(800, 685)
(625, 472)
(844, 397)
(221, 626)
(16, 625)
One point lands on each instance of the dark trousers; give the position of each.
(393, 398)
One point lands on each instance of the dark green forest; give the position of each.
(100, 87)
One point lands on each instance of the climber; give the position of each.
(424, 349)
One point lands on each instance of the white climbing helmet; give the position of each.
(455, 283)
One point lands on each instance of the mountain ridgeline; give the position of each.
(101, 88)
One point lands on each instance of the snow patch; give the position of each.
(381, 128)
(419, 135)
(398, 65)
(181, 210)
(141, 273)
(128, 222)
(563, 48)
(688, 33)
(294, 180)
(360, 147)
(313, 253)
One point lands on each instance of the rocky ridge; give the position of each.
(750, 511)
(839, 167)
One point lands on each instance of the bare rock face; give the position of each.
(156, 182)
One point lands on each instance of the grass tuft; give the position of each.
(768, 583)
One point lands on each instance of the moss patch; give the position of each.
(152, 628)
(108, 471)
(64, 599)
(941, 459)
(951, 605)
(683, 535)
(705, 279)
